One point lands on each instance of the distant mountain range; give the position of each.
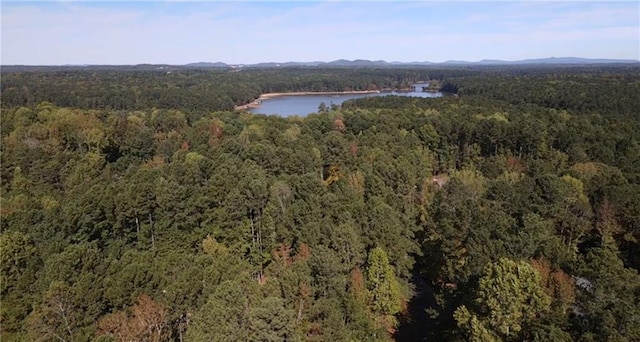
(340, 63)
(207, 65)
(380, 63)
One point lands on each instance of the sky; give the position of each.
(245, 32)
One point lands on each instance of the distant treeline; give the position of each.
(202, 90)
(192, 90)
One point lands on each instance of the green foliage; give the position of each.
(476, 330)
(18, 258)
(608, 297)
(509, 297)
(131, 181)
(57, 317)
(382, 283)
(226, 316)
(19, 266)
(270, 320)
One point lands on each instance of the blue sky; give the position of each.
(240, 32)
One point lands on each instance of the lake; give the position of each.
(302, 105)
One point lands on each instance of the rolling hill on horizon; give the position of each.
(379, 63)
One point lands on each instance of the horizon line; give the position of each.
(448, 61)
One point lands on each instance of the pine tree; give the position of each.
(384, 291)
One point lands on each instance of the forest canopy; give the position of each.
(137, 205)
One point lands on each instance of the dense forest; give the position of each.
(191, 90)
(136, 205)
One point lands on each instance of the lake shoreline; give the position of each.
(256, 103)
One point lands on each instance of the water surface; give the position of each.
(303, 105)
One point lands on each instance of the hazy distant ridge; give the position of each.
(368, 63)
(207, 65)
(363, 63)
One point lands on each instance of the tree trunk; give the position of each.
(137, 228)
(253, 231)
(64, 318)
(153, 233)
(300, 307)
